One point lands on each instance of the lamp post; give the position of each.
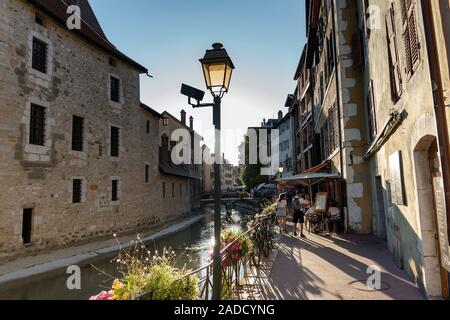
(217, 70)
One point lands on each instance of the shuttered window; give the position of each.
(77, 133)
(115, 89)
(367, 27)
(371, 112)
(37, 125)
(115, 141)
(76, 190)
(410, 36)
(395, 74)
(115, 190)
(39, 59)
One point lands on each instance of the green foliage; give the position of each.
(146, 277)
(251, 173)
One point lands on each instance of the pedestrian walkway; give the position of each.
(334, 268)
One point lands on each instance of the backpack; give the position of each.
(296, 203)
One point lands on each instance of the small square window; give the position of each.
(166, 121)
(38, 19)
(112, 62)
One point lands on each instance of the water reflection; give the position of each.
(191, 246)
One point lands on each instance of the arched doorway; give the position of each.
(427, 168)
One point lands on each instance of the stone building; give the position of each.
(185, 177)
(79, 153)
(306, 149)
(379, 80)
(406, 144)
(337, 103)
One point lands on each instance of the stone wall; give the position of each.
(39, 177)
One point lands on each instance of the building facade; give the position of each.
(284, 125)
(79, 153)
(379, 83)
(337, 108)
(405, 145)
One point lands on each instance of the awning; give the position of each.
(310, 179)
(266, 186)
(394, 120)
(326, 165)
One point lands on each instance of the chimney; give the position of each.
(191, 123)
(280, 115)
(183, 116)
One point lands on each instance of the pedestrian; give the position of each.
(306, 205)
(299, 213)
(282, 211)
(334, 216)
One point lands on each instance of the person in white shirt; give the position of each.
(333, 216)
(282, 211)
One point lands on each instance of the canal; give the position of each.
(191, 245)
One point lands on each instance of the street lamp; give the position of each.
(281, 170)
(217, 70)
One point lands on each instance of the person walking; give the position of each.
(282, 211)
(299, 214)
(306, 206)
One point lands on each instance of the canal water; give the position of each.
(191, 245)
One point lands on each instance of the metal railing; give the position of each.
(233, 271)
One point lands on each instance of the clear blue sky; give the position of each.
(263, 37)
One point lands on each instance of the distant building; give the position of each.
(284, 126)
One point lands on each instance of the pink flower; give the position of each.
(104, 295)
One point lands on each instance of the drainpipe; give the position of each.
(438, 93)
(339, 102)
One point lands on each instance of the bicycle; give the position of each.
(262, 237)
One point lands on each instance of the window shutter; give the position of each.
(367, 17)
(371, 110)
(396, 80)
(410, 36)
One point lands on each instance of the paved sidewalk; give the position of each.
(334, 268)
